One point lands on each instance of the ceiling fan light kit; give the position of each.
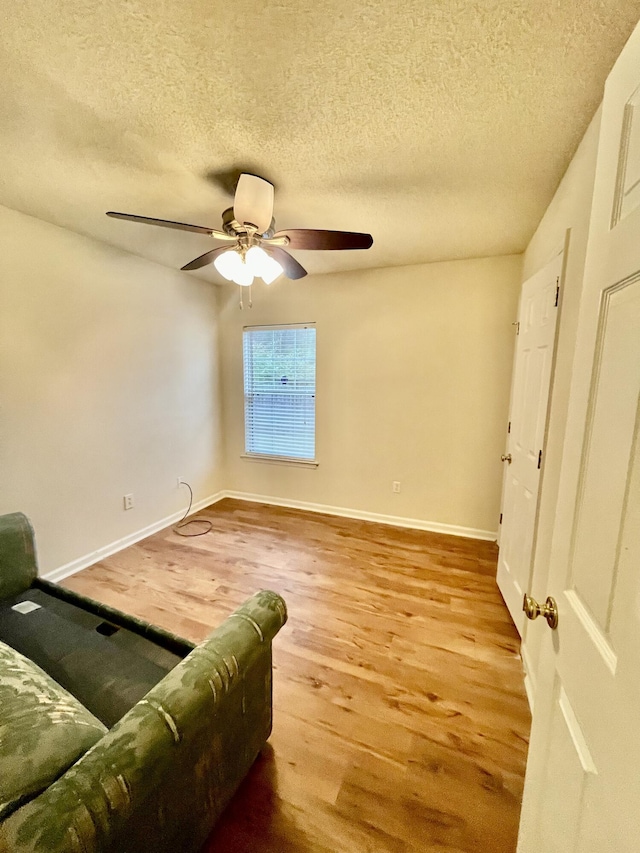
(258, 251)
(243, 268)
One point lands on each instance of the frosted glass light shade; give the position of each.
(227, 264)
(243, 274)
(255, 259)
(257, 262)
(271, 270)
(261, 264)
(253, 201)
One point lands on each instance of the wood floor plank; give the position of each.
(400, 718)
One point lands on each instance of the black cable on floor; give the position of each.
(177, 528)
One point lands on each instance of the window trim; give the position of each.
(281, 460)
(270, 327)
(293, 461)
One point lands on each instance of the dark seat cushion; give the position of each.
(108, 669)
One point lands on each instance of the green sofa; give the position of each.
(190, 719)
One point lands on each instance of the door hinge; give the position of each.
(557, 291)
(516, 323)
(539, 459)
(500, 518)
(509, 427)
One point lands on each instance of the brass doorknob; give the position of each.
(549, 610)
(506, 458)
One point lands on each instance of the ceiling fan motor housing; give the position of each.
(231, 225)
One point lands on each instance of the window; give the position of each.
(280, 391)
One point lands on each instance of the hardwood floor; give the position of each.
(400, 718)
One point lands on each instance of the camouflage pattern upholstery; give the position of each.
(43, 730)
(159, 779)
(18, 568)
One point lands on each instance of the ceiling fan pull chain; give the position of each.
(241, 303)
(250, 298)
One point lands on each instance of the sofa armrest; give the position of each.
(162, 776)
(18, 566)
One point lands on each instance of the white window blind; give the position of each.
(280, 391)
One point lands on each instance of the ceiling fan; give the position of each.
(258, 249)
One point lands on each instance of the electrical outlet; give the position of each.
(179, 482)
(128, 501)
(396, 486)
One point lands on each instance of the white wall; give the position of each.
(108, 386)
(570, 208)
(413, 373)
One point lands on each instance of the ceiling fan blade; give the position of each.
(205, 259)
(292, 269)
(168, 223)
(253, 202)
(165, 223)
(306, 238)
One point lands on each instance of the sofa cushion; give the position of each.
(43, 730)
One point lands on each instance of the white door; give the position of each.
(582, 788)
(535, 345)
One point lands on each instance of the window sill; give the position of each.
(281, 460)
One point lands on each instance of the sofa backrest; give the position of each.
(18, 567)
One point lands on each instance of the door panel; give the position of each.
(589, 748)
(562, 807)
(585, 722)
(609, 436)
(627, 196)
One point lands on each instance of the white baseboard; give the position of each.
(113, 547)
(361, 515)
(95, 556)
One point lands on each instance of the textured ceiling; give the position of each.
(440, 127)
